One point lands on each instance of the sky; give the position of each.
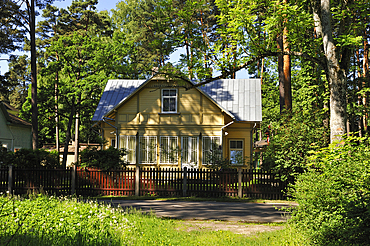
(102, 5)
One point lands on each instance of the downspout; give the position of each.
(222, 132)
(251, 134)
(117, 137)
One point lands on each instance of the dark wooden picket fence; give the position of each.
(172, 182)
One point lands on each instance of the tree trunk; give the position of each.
(335, 74)
(77, 144)
(68, 136)
(56, 114)
(281, 75)
(35, 131)
(287, 73)
(365, 75)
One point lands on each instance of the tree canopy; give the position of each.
(325, 41)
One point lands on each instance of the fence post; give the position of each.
(240, 188)
(137, 180)
(10, 179)
(73, 180)
(184, 181)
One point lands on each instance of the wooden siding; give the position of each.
(189, 101)
(149, 101)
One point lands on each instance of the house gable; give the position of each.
(145, 107)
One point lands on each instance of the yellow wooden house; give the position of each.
(169, 123)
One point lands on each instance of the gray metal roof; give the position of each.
(239, 97)
(115, 91)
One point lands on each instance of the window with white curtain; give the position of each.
(189, 150)
(129, 143)
(148, 149)
(169, 150)
(211, 149)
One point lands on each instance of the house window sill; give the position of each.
(169, 113)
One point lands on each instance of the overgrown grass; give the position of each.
(41, 220)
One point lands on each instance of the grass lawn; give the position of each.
(42, 220)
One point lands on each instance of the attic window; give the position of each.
(169, 101)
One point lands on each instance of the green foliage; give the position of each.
(294, 134)
(11, 37)
(6, 157)
(147, 32)
(61, 221)
(293, 137)
(28, 158)
(334, 195)
(104, 159)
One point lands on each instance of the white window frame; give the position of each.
(188, 151)
(168, 97)
(236, 149)
(164, 158)
(124, 144)
(204, 150)
(145, 153)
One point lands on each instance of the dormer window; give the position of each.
(169, 101)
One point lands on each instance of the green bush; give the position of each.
(334, 195)
(292, 139)
(28, 158)
(104, 159)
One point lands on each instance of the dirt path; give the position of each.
(235, 227)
